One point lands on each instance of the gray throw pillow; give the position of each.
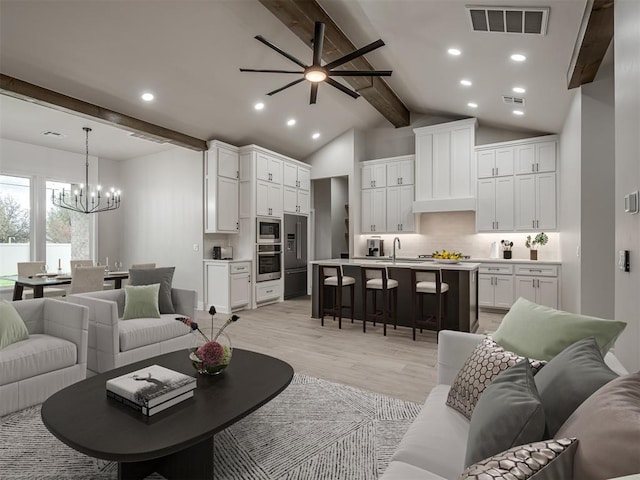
(508, 413)
(149, 276)
(569, 379)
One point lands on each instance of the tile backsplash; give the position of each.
(456, 231)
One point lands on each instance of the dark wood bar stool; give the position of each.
(374, 280)
(428, 282)
(331, 277)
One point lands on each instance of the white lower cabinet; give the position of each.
(268, 291)
(374, 210)
(538, 284)
(227, 285)
(495, 285)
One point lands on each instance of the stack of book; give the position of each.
(151, 389)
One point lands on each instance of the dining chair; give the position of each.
(80, 263)
(31, 269)
(140, 266)
(87, 279)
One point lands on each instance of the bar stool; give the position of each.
(375, 279)
(331, 276)
(428, 282)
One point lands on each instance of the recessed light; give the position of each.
(472, 105)
(466, 83)
(315, 136)
(147, 96)
(259, 106)
(518, 112)
(519, 90)
(517, 57)
(454, 51)
(291, 122)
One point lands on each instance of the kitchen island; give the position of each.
(462, 298)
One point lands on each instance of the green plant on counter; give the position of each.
(539, 239)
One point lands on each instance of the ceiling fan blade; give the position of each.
(271, 71)
(318, 41)
(355, 54)
(314, 93)
(260, 38)
(286, 86)
(341, 87)
(360, 73)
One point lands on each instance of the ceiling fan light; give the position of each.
(315, 75)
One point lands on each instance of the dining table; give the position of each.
(41, 280)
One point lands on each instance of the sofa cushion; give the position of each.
(37, 355)
(607, 425)
(141, 301)
(139, 332)
(548, 460)
(163, 276)
(536, 331)
(12, 327)
(404, 471)
(486, 361)
(509, 413)
(569, 379)
(436, 440)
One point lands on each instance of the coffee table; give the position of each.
(177, 442)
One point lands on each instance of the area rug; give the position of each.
(313, 430)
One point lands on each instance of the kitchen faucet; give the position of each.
(396, 239)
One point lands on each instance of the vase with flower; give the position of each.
(210, 356)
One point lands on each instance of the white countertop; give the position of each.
(235, 260)
(472, 260)
(466, 265)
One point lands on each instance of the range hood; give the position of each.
(459, 204)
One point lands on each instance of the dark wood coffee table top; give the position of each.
(84, 418)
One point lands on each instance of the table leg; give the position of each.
(38, 291)
(17, 291)
(195, 462)
(117, 283)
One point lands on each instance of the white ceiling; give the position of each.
(188, 53)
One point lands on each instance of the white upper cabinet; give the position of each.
(445, 172)
(374, 175)
(400, 216)
(296, 176)
(400, 172)
(536, 202)
(221, 188)
(494, 212)
(374, 210)
(228, 160)
(268, 168)
(495, 162)
(536, 157)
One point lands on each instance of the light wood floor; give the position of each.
(393, 365)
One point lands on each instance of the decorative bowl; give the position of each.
(211, 358)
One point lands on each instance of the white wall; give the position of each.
(164, 213)
(627, 176)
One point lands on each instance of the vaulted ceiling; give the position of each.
(188, 53)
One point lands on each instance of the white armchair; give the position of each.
(53, 357)
(114, 342)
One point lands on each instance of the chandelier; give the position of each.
(83, 199)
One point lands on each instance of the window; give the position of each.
(68, 234)
(15, 224)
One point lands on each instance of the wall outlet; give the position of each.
(631, 203)
(196, 247)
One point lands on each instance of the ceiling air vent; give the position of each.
(508, 19)
(513, 100)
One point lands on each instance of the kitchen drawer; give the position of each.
(537, 270)
(496, 268)
(241, 267)
(266, 291)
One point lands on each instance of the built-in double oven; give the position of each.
(268, 249)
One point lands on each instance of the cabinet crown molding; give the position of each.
(428, 129)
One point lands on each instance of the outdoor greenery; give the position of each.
(15, 228)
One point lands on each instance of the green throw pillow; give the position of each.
(150, 276)
(509, 413)
(536, 331)
(12, 327)
(141, 301)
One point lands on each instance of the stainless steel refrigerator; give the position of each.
(295, 255)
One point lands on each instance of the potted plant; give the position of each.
(540, 239)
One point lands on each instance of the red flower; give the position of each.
(210, 353)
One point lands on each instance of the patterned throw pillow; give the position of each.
(548, 460)
(485, 363)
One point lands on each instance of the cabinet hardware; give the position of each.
(533, 283)
(493, 172)
(237, 226)
(537, 167)
(533, 167)
(533, 224)
(374, 183)
(493, 268)
(535, 270)
(496, 171)
(537, 223)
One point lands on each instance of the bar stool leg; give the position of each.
(395, 308)
(364, 308)
(375, 306)
(321, 303)
(339, 306)
(385, 311)
(352, 289)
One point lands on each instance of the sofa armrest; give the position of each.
(184, 301)
(103, 316)
(453, 350)
(68, 321)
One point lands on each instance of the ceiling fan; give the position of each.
(316, 72)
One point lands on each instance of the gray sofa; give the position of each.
(114, 342)
(53, 357)
(435, 444)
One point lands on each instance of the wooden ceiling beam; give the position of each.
(27, 91)
(300, 17)
(595, 37)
